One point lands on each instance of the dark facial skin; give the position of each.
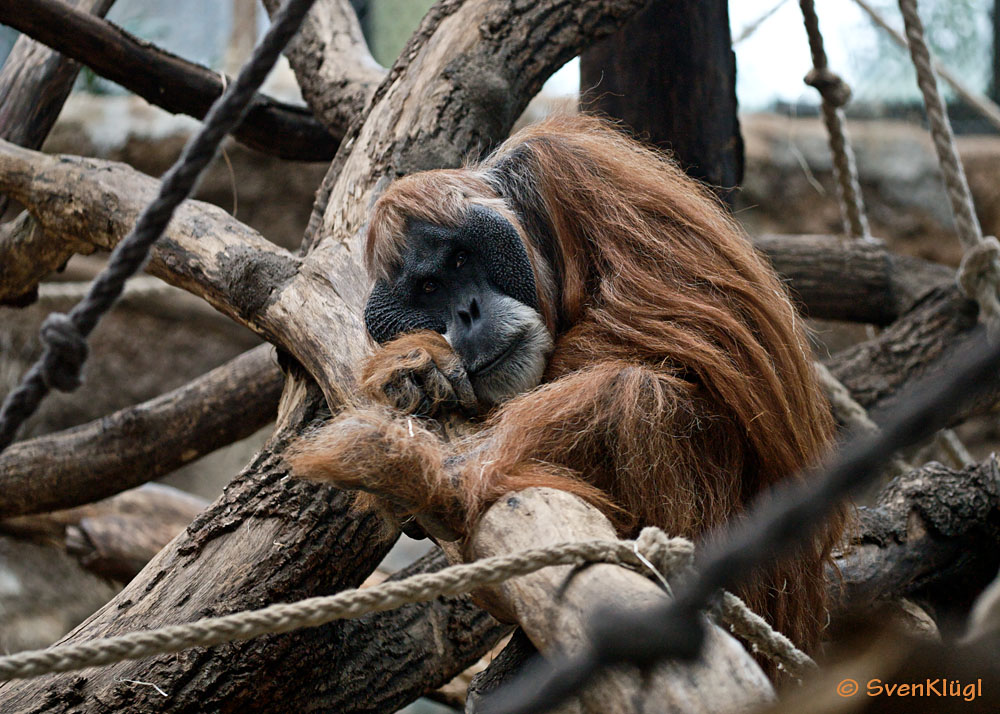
(474, 284)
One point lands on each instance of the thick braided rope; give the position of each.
(671, 556)
(835, 94)
(674, 557)
(64, 336)
(979, 273)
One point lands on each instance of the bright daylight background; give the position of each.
(772, 61)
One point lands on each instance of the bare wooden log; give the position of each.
(163, 79)
(90, 204)
(141, 443)
(336, 72)
(553, 607)
(34, 84)
(933, 535)
(115, 537)
(877, 371)
(858, 281)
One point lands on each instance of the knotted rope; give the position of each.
(671, 558)
(835, 94)
(979, 272)
(65, 336)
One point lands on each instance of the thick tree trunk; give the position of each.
(670, 75)
(465, 77)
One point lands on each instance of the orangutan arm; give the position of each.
(609, 420)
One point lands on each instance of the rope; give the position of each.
(986, 107)
(979, 272)
(65, 336)
(835, 94)
(851, 414)
(672, 557)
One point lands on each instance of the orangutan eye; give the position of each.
(429, 286)
(460, 258)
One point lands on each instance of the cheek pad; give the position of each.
(387, 316)
(504, 255)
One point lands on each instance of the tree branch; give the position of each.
(555, 606)
(115, 537)
(335, 70)
(877, 371)
(143, 442)
(34, 84)
(857, 281)
(932, 535)
(90, 204)
(163, 79)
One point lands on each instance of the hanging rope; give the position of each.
(979, 272)
(835, 94)
(670, 557)
(64, 336)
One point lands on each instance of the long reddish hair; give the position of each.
(650, 286)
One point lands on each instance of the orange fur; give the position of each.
(680, 387)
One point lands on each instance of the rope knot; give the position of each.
(830, 85)
(671, 556)
(979, 279)
(65, 352)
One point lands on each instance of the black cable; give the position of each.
(65, 336)
(674, 630)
